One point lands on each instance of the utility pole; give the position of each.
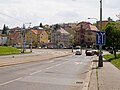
(30, 36)
(100, 62)
(24, 41)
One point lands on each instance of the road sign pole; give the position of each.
(100, 62)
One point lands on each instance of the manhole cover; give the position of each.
(78, 82)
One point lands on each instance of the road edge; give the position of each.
(88, 77)
(22, 62)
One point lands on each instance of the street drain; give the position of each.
(78, 82)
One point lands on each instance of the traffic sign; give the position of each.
(100, 38)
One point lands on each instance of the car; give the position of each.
(96, 52)
(111, 51)
(78, 52)
(89, 53)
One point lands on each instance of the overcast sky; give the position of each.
(16, 12)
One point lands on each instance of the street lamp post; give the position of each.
(30, 35)
(96, 21)
(100, 62)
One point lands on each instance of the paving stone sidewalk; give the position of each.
(105, 78)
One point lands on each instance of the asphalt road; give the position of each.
(67, 73)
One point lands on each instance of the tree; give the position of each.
(112, 36)
(41, 25)
(71, 39)
(5, 29)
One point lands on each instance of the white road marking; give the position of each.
(50, 67)
(77, 63)
(10, 81)
(35, 72)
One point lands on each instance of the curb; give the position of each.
(87, 80)
(22, 62)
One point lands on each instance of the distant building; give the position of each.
(85, 34)
(3, 39)
(15, 39)
(15, 29)
(104, 22)
(39, 37)
(60, 38)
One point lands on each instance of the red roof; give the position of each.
(14, 35)
(37, 31)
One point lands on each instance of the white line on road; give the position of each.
(50, 67)
(10, 81)
(35, 72)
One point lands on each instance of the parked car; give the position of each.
(89, 53)
(78, 52)
(96, 52)
(111, 51)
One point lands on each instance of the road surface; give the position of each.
(67, 73)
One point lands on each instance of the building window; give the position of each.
(89, 33)
(89, 39)
(82, 36)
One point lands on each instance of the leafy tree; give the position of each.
(41, 25)
(112, 36)
(5, 29)
(71, 39)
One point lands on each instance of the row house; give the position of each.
(86, 34)
(60, 38)
(15, 39)
(36, 37)
(39, 38)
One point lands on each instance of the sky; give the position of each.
(18, 12)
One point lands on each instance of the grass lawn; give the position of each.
(114, 61)
(4, 50)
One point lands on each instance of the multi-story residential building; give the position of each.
(104, 22)
(3, 39)
(60, 38)
(15, 39)
(38, 37)
(85, 34)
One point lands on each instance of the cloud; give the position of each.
(70, 14)
(111, 3)
(52, 11)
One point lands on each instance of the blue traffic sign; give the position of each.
(100, 38)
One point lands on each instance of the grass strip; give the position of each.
(4, 50)
(114, 61)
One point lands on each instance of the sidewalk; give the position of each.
(16, 59)
(104, 78)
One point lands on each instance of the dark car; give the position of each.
(111, 51)
(89, 53)
(96, 52)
